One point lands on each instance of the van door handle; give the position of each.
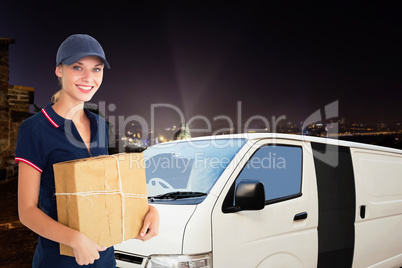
(363, 211)
(300, 216)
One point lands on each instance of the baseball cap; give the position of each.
(78, 46)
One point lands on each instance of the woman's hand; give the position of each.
(86, 251)
(150, 227)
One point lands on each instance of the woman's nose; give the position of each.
(87, 76)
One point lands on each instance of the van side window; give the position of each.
(279, 168)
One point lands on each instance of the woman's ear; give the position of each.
(58, 71)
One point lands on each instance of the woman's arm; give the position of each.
(150, 227)
(86, 251)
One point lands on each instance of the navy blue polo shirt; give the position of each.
(45, 139)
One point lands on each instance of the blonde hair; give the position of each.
(56, 96)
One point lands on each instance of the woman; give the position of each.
(65, 131)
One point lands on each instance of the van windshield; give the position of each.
(187, 170)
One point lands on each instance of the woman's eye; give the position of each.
(78, 68)
(97, 69)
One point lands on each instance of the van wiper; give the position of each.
(177, 195)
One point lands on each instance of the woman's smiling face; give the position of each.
(81, 80)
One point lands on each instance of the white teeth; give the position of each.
(84, 88)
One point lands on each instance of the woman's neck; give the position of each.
(69, 110)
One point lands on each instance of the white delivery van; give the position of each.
(271, 200)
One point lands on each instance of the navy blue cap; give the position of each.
(78, 46)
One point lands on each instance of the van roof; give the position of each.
(330, 141)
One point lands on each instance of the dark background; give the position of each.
(275, 58)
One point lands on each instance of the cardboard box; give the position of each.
(92, 197)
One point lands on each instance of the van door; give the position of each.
(378, 208)
(284, 233)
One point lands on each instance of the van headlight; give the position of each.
(180, 261)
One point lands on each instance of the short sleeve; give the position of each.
(29, 149)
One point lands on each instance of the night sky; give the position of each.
(276, 59)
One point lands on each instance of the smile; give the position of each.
(85, 89)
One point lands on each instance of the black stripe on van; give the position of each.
(336, 204)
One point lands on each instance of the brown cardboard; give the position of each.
(89, 198)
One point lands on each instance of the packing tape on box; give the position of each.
(120, 191)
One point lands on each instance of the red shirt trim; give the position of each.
(17, 159)
(50, 119)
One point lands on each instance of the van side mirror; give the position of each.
(250, 195)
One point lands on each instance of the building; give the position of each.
(14, 109)
(183, 132)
